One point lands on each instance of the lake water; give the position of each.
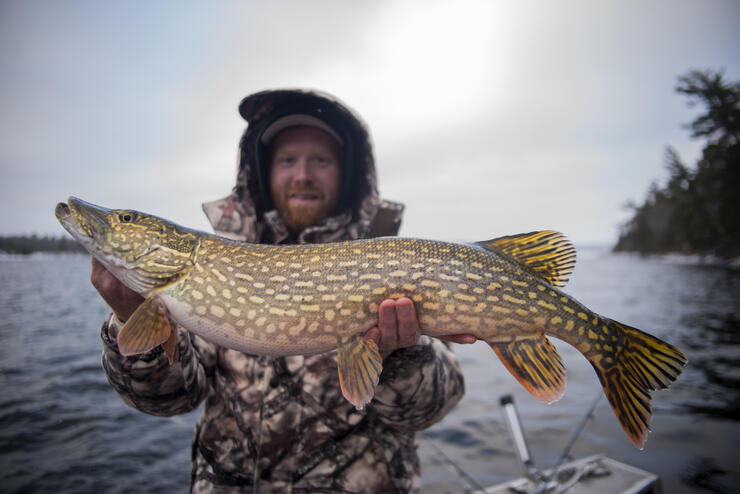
(64, 429)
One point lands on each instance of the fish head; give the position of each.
(145, 252)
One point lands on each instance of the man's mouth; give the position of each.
(304, 196)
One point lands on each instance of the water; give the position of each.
(63, 428)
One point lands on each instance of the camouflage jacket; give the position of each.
(282, 424)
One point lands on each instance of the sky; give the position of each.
(488, 117)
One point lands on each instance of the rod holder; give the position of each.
(517, 437)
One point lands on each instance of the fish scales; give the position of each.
(304, 299)
(340, 286)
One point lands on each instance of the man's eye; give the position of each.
(284, 161)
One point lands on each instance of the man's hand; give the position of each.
(398, 327)
(118, 296)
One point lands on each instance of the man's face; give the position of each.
(305, 176)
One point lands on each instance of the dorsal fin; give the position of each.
(547, 254)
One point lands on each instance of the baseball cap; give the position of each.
(297, 120)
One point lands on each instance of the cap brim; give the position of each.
(295, 121)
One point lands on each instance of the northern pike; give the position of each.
(281, 300)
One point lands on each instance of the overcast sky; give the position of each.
(489, 118)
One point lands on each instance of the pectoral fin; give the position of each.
(147, 328)
(359, 365)
(536, 364)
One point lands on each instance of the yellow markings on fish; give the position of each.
(309, 308)
(546, 305)
(256, 300)
(218, 274)
(464, 298)
(513, 300)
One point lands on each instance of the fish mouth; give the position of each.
(81, 219)
(62, 212)
(67, 218)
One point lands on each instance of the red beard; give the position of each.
(298, 217)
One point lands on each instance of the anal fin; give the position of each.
(536, 364)
(147, 328)
(359, 365)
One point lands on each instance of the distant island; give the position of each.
(28, 244)
(698, 210)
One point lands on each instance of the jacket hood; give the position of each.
(248, 214)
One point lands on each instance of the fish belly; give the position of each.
(275, 338)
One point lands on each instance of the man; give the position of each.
(306, 174)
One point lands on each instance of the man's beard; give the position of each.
(298, 217)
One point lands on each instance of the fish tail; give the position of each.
(642, 363)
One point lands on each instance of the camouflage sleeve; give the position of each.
(419, 385)
(149, 383)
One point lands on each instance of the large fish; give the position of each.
(305, 299)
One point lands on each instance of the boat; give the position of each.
(592, 474)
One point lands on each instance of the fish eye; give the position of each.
(126, 217)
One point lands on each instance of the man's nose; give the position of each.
(303, 171)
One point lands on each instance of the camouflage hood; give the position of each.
(247, 214)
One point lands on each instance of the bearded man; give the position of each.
(306, 174)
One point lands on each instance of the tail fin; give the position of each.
(644, 363)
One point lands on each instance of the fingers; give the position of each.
(118, 296)
(398, 325)
(408, 324)
(388, 325)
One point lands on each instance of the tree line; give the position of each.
(697, 211)
(27, 244)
